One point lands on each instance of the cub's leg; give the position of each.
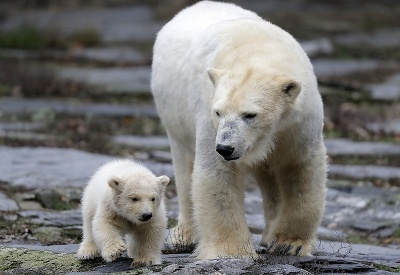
(87, 249)
(302, 188)
(145, 244)
(108, 238)
(182, 235)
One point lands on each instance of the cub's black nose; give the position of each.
(146, 216)
(225, 150)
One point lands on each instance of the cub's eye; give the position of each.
(249, 115)
(153, 199)
(134, 199)
(217, 113)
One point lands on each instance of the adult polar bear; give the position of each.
(238, 96)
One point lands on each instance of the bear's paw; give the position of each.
(88, 251)
(284, 245)
(145, 262)
(113, 251)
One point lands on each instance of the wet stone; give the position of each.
(388, 127)
(53, 218)
(364, 172)
(135, 80)
(7, 204)
(348, 147)
(379, 39)
(48, 107)
(143, 142)
(48, 234)
(388, 90)
(329, 67)
(116, 55)
(369, 225)
(114, 24)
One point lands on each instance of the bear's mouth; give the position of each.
(229, 158)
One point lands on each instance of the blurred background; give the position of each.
(75, 74)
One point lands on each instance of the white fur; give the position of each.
(215, 65)
(109, 213)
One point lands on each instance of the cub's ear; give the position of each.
(215, 74)
(291, 87)
(115, 183)
(163, 180)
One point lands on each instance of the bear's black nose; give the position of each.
(146, 216)
(225, 150)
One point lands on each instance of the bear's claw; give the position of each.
(87, 252)
(113, 251)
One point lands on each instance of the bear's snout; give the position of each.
(226, 151)
(146, 217)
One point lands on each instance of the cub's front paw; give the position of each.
(284, 245)
(113, 251)
(145, 262)
(87, 251)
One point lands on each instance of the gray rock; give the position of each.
(364, 172)
(48, 197)
(348, 147)
(369, 225)
(7, 204)
(388, 90)
(231, 266)
(32, 106)
(21, 126)
(48, 234)
(388, 127)
(48, 167)
(25, 136)
(114, 24)
(55, 167)
(329, 67)
(317, 47)
(114, 55)
(143, 142)
(61, 219)
(135, 80)
(378, 39)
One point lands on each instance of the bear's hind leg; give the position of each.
(182, 236)
(270, 194)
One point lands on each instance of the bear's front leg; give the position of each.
(218, 199)
(302, 190)
(108, 238)
(145, 244)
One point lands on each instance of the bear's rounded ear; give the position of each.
(115, 183)
(291, 87)
(215, 74)
(163, 180)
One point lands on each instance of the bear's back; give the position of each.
(190, 22)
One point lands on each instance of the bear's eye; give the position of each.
(249, 115)
(134, 199)
(153, 199)
(217, 113)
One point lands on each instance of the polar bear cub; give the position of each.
(124, 199)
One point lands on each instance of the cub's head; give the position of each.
(248, 107)
(137, 195)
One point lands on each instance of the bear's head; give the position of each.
(249, 105)
(137, 195)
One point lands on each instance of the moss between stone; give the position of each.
(45, 262)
